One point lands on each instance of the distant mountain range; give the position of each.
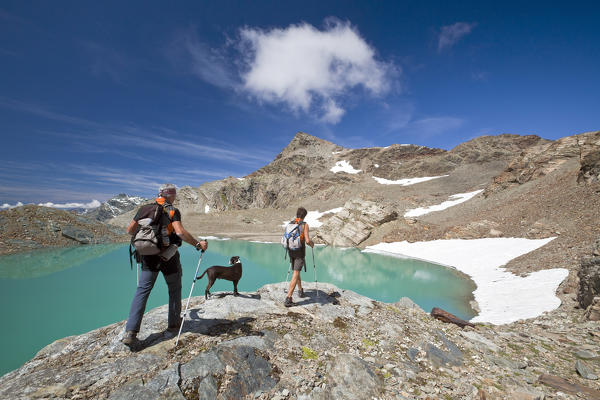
(118, 205)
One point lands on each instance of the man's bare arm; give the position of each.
(186, 236)
(307, 238)
(132, 227)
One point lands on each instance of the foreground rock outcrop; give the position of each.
(334, 344)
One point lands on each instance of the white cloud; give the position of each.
(91, 204)
(306, 68)
(333, 113)
(451, 34)
(6, 206)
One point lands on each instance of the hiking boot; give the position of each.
(129, 338)
(288, 302)
(301, 293)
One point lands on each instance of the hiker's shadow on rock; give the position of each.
(195, 324)
(318, 297)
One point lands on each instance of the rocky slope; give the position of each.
(302, 171)
(115, 206)
(32, 227)
(335, 344)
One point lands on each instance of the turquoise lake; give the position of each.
(50, 294)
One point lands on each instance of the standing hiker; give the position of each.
(297, 256)
(171, 232)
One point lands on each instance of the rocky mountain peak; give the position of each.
(305, 144)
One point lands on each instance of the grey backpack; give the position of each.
(146, 241)
(292, 237)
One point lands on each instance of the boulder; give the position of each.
(78, 234)
(589, 281)
(593, 311)
(353, 378)
(354, 224)
(584, 371)
(246, 371)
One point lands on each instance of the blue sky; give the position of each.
(98, 98)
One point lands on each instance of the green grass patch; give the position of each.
(515, 347)
(547, 346)
(309, 354)
(368, 343)
(534, 349)
(394, 309)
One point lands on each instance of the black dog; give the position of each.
(233, 273)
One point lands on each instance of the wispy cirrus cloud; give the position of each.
(432, 126)
(25, 181)
(44, 112)
(451, 34)
(401, 119)
(98, 137)
(207, 63)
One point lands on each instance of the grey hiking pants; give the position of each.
(147, 280)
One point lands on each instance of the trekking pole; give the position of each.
(137, 270)
(189, 297)
(315, 269)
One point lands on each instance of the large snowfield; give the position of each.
(502, 296)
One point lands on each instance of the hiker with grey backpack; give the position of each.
(157, 233)
(294, 240)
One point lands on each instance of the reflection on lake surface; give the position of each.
(50, 294)
(47, 261)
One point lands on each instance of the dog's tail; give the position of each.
(200, 277)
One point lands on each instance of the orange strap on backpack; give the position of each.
(298, 222)
(171, 213)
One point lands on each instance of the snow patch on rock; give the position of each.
(454, 200)
(344, 166)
